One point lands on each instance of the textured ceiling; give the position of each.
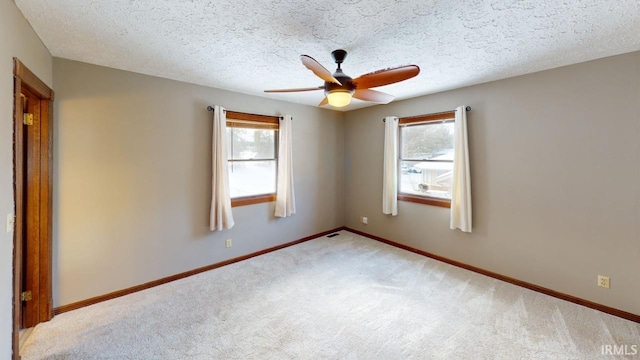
(252, 45)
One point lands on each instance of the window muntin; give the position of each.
(426, 160)
(252, 143)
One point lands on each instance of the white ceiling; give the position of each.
(252, 45)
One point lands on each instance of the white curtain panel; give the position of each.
(285, 195)
(221, 216)
(390, 169)
(461, 184)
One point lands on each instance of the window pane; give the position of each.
(244, 144)
(247, 178)
(428, 141)
(426, 178)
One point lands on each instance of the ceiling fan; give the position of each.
(339, 87)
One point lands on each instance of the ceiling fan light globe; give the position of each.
(339, 98)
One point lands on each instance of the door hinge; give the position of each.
(27, 119)
(26, 296)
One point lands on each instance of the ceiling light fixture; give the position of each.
(339, 97)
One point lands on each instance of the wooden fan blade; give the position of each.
(318, 69)
(294, 90)
(373, 95)
(324, 101)
(386, 76)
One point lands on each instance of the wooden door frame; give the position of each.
(25, 79)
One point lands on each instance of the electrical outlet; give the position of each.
(227, 243)
(11, 222)
(364, 220)
(603, 281)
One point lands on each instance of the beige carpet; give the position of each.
(346, 297)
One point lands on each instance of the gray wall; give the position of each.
(17, 39)
(555, 164)
(132, 179)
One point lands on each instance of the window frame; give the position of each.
(260, 122)
(426, 119)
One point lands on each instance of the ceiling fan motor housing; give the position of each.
(347, 83)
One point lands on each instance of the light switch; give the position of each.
(11, 220)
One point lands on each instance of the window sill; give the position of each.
(425, 200)
(250, 200)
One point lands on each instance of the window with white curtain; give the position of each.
(252, 148)
(426, 155)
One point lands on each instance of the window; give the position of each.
(252, 148)
(426, 159)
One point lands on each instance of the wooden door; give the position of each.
(33, 183)
(30, 236)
